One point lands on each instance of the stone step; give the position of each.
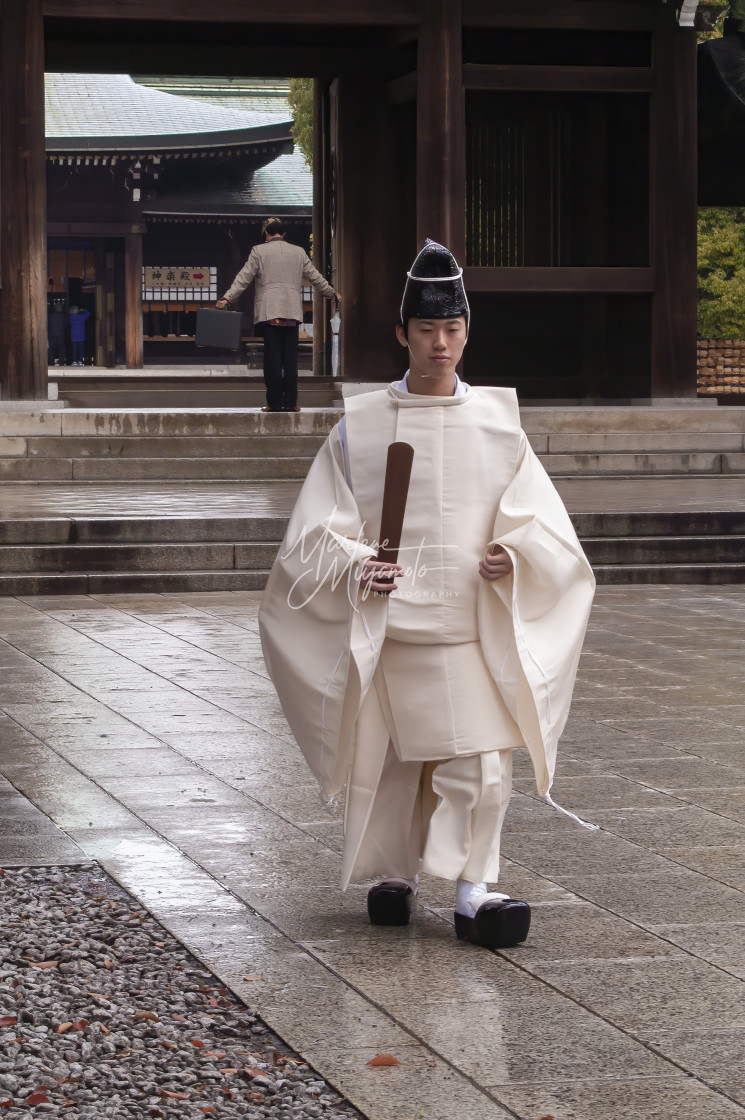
(158, 422)
(657, 523)
(664, 550)
(140, 530)
(226, 555)
(99, 583)
(670, 573)
(583, 443)
(189, 529)
(159, 557)
(157, 447)
(118, 469)
(641, 463)
(121, 459)
(267, 442)
(190, 397)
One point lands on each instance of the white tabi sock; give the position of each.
(469, 896)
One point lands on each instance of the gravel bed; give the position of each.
(104, 1014)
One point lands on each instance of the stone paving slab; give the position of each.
(145, 732)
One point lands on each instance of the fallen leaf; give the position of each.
(173, 1096)
(62, 1028)
(104, 1030)
(37, 1098)
(44, 964)
(97, 995)
(179, 1019)
(80, 1025)
(256, 1096)
(108, 964)
(213, 1002)
(6, 1104)
(8, 1021)
(253, 977)
(214, 1054)
(196, 1042)
(384, 1060)
(150, 1015)
(227, 1070)
(208, 1108)
(253, 1072)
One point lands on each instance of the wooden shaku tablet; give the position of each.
(395, 493)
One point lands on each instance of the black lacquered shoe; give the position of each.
(390, 903)
(498, 924)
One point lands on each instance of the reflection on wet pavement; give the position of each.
(146, 728)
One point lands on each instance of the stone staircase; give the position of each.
(162, 541)
(204, 388)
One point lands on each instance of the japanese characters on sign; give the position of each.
(173, 282)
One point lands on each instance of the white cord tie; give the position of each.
(574, 817)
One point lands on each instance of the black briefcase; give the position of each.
(219, 328)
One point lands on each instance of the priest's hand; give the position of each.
(221, 303)
(495, 563)
(377, 574)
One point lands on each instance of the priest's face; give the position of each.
(435, 345)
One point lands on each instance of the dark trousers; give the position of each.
(280, 354)
(78, 351)
(57, 348)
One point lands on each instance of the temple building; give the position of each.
(550, 143)
(154, 201)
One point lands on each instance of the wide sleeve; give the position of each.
(308, 615)
(314, 277)
(532, 622)
(244, 277)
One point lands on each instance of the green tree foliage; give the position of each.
(300, 97)
(721, 272)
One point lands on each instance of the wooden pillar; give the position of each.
(133, 301)
(320, 315)
(673, 208)
(440, 164)
(23, 264)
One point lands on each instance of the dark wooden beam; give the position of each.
(23, 258)
(441, 170)
(673, 209)
(601, 79)
(310, 12)
(133, 301)
(139, 56)
(94, 229)
(578, 15)
(400, 90)
(578, 280)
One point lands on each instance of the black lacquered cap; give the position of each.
(434, 286)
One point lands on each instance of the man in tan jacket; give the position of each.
(279, 271)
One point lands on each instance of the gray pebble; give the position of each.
(84, 923)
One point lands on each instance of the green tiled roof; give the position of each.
(91, 105)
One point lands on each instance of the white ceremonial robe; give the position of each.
(461, 666)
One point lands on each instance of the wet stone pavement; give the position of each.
(146, 735)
